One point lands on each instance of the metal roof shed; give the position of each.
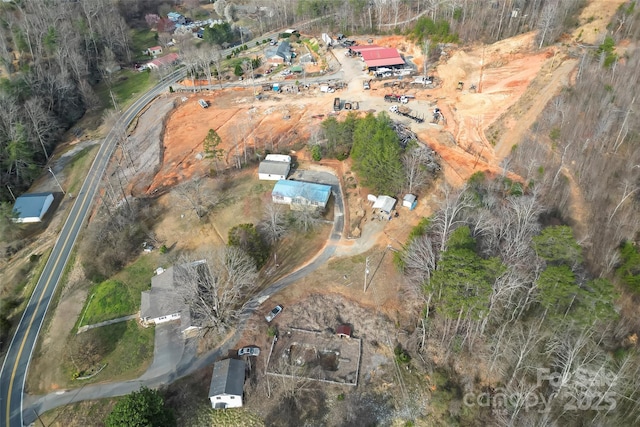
(227, 384)
(32, 207)
(382, 57)
(273, 170)
(384, 203)
(409, 201)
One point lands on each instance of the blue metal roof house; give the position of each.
(32, 207)
(298, 194)
(176, 17)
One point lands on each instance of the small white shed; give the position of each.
(409, 201)
(227, 384)
(274, 167)
(385, 204)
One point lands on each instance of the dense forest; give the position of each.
(535, 288)
(52, 54)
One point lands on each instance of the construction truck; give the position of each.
(336, 104)
(396, 98)
(437, 116)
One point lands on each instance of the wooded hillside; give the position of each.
(52, 54)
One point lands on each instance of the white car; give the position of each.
(249, 351)
(273, 313)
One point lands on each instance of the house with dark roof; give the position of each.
(32, 207)
(162, 303)
(227, 384)
(280, 55)
(300, 194)
(274, 167)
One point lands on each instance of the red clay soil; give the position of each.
(503, 73)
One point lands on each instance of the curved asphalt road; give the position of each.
(16, 363)
(188, 363)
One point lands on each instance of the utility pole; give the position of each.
(57, 182)
(366, 273)
(481, 71)
(113, 99)
(11, 192)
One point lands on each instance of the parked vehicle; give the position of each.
(396, 98)
(326, 89)
(366, 85)
(203, 103)
(249, 351)
(423, 80)
(273, 313)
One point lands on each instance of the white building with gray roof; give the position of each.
(227, 384)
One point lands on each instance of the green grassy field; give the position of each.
(120, 295)
(141, 40)
(77, 168)
(126, 86)
(126, 349)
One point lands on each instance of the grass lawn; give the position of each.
(77, 168)
(126, 86)
(127, 350)
(142, 39)
(81, 414)
(120, 295)
(230, 417)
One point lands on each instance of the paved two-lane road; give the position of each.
(14, 369)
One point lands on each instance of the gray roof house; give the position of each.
(227, 384)
(274, 167)
(162, 302)
(32, 207)
(272, 170)
(282, 53)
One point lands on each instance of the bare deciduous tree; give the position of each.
(419, 166)
(274, 222)
(306, 217)
(198, 196)
(216, 285)
(453, 205)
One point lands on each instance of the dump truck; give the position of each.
(336, 104)
(326, 89)
(396, 98)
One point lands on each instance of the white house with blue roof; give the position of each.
(32, 207)
(300, 194)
